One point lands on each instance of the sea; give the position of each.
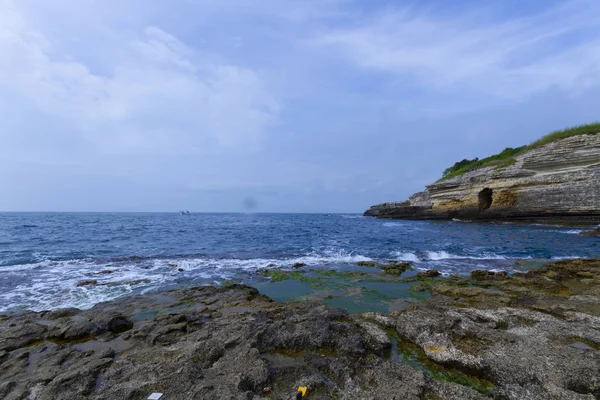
(44, 257)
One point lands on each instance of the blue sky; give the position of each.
(298, 105)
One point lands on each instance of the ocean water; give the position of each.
(44, 255)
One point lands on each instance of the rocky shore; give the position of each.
(533, 335)
(558, 183)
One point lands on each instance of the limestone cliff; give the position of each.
(559, 181)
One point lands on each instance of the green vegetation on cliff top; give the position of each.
(507, 156)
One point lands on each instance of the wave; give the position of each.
(54, 284)
(441, 255)
(444, 255)
(406, 256)
(461, 220)
(566, 257)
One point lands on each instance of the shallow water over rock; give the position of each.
(44, 256)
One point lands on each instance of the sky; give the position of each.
(277, 105)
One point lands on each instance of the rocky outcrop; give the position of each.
(204, 343)
(525, 336)
(559, 181)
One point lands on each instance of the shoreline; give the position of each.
(531, 334)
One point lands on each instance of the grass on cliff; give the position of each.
(508, 155)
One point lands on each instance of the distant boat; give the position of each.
(184, 212)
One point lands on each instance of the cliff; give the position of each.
(556, 182)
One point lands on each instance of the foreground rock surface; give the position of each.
(526, 336)
(558, 182)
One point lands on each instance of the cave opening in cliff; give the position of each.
(485, 199)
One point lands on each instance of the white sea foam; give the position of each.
(53, 284)
(440, 255)
(405, 256)
(566, 257)
(444, 255)
(351, 216)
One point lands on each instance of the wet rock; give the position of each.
(83, 330)
(376, 337)
(381, 320)
(263, 271)
(119, 324)
(61, 313)
(367, 263)
(524, 348)
(129, 283)
(534, 336)
(298, 265)
(396, 268)
(595, 232)
(89, 282)
(430, 273)
(481, 275)
(418, 287)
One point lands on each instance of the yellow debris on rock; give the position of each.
(302, 389)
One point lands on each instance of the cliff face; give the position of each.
(556, 182)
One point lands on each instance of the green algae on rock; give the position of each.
(532, 335)
(396, 268)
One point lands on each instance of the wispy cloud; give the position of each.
(159, 95)
(510, 59)
(329, 103)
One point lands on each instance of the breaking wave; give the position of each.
(57, 284)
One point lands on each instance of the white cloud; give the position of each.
(507, 59)
(159, 96)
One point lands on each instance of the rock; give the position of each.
(480, 274)
(263, 271)
(376, 337)
(557, 182)
(129, 283)
(377, 318)
(396, 268)
(430, 273)
(298, 265)
(595, 232)
(83, 329)
(418, 287)
(90, 282)
(367, 263)
(205, 351)
(61, 313)
(534, 336)
(119, 324)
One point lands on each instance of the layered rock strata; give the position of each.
(556, 182)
